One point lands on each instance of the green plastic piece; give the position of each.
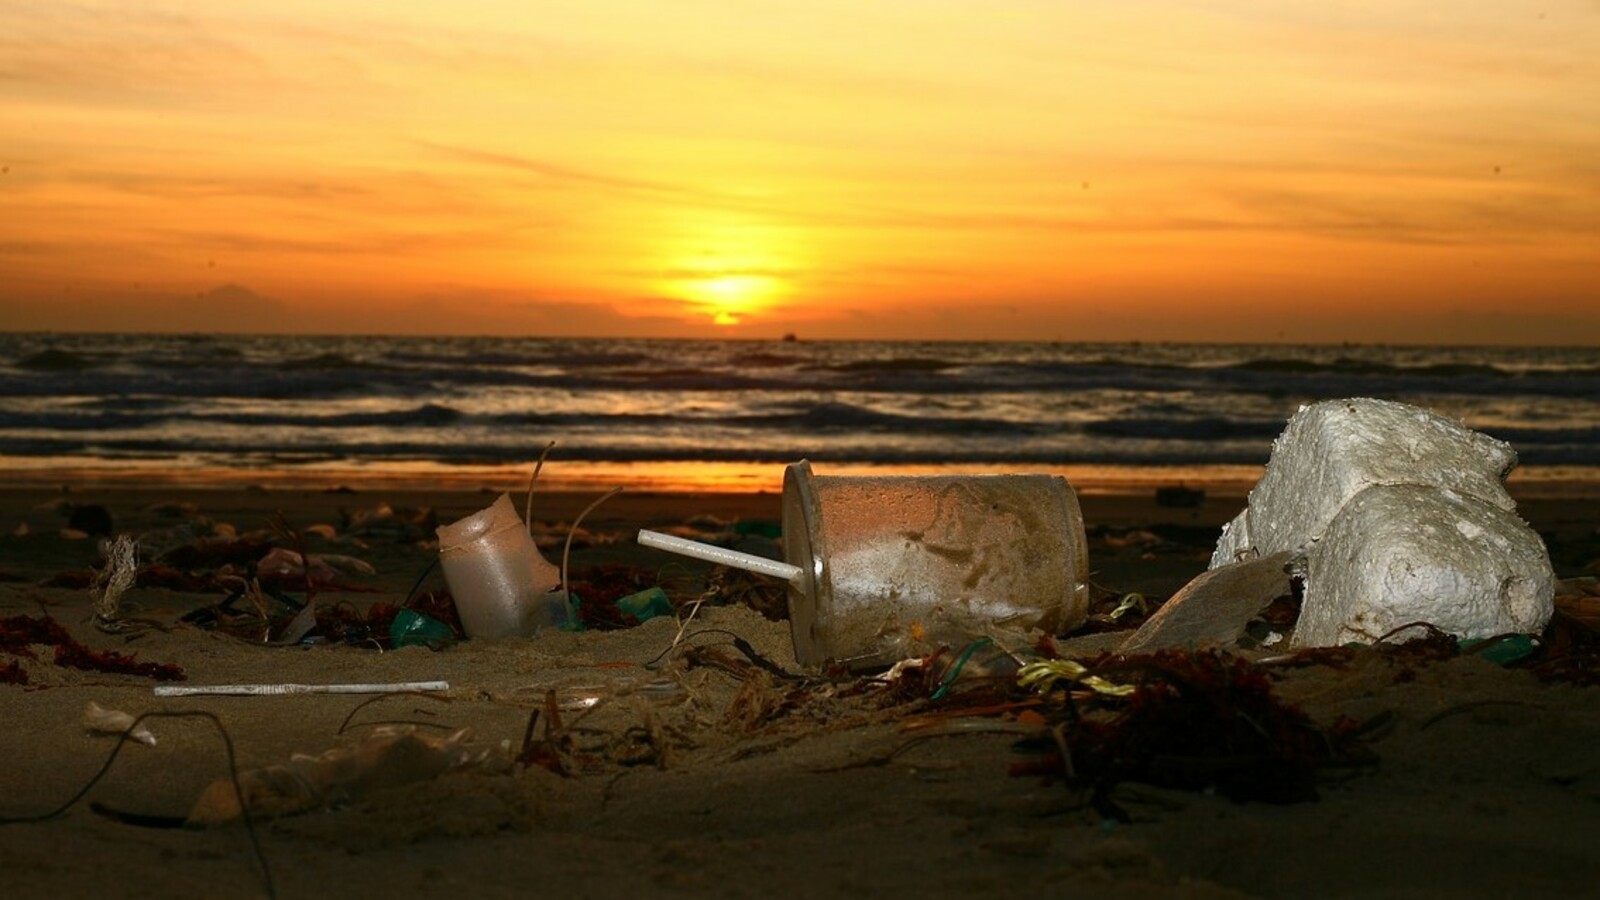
(574, 621)
(1505, 651)
(411, 627)
(646, 604)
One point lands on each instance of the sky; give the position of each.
(1234, 170)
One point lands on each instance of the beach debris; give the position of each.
(1406, 553)
(257, 613)
(122, 568)
(645, 605)
(981, 664)
(412, 628)
(101, 720)
(595, 592)
(893, 567)
(1570, 647)
(20, 634)
(389, 756)
(193, 552)
(1213, 609)
(403, 524)
(748, 562)
(766, 596)
(1045, 675)
(1201, 721)
(501, 584)
(1394, 514)
(277, 690)
(325, 568)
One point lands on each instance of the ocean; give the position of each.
(729, 414)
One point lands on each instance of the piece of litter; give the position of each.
(1045, 674)
(389, 757)
(1129, 603)
(122, 569)
(100, 720)
(646, 604)
(721, 555)
(259, 690)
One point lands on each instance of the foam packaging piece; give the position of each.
(1393, 515)
(1332, 450)
(1397, 554)
(1234, 545)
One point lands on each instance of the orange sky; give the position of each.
(1237, 170)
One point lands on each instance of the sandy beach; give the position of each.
(668, 760)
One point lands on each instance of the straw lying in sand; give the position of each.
(260, 690)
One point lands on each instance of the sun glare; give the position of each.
(730, 298)
(730, 267)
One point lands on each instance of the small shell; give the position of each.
(100, 720)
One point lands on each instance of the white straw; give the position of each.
(712, 553)
(264, 690)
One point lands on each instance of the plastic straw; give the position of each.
(258, 690)
(722, 555)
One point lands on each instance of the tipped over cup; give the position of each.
(894, 567)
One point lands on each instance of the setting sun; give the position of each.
(728, 265)
(731, 297)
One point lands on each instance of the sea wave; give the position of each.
(465, 400)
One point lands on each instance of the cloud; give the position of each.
(551, 171)
(224, 308)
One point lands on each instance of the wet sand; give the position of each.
(707, 775)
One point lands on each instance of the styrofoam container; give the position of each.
(1333, 450)
(1403, 553)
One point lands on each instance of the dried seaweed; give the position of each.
(601, 587)
(1195, 721)
(1569, 652)
(19, 634)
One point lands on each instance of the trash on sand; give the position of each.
(661, 690)
(19, 634)
(1213, 609)
(646, 604)
(1399, 515)
(100, 720)
(1046, 674)
(502, 586)
(749, 562)
(1192, 721)
(413, 628)
(390, 756)
(263, 690)
(122, 568)
(892, 567)
(326, 568)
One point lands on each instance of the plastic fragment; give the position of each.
(412, 628)
(646, 604)
(1044, 675)
(100, 720)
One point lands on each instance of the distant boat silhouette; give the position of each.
(789, 337)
